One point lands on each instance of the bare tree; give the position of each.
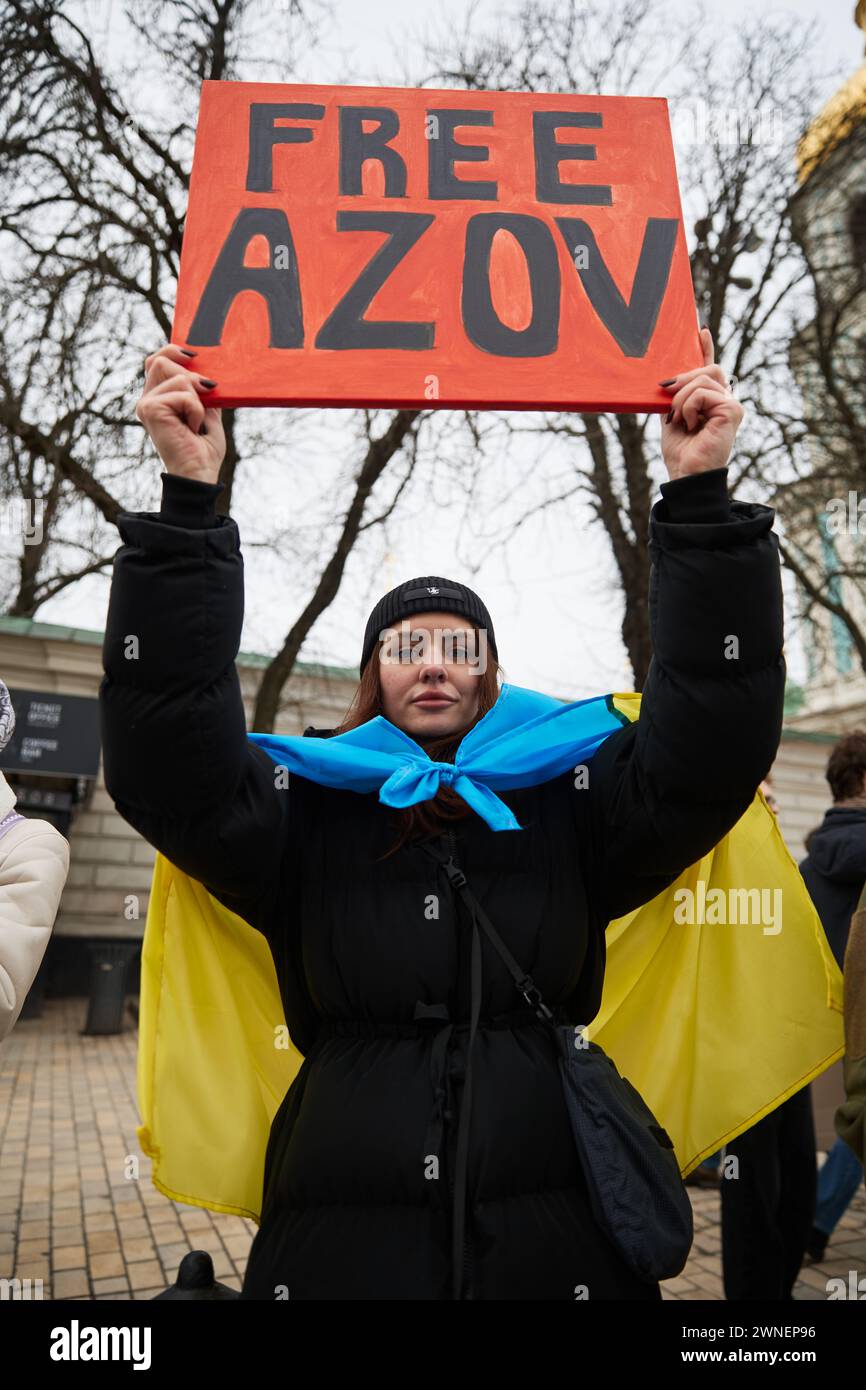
(824, 498)
(735, 117)
(95, 153)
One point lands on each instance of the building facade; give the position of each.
(109, 861)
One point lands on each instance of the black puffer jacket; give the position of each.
(834, 871)
(351, 1207)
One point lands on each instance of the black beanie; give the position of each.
(428, 594)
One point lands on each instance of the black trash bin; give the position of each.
(110, 962)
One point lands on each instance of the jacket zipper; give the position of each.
(467, 1240)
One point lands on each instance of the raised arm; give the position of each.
(178, 764)
(664, 790)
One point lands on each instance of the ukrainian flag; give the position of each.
(715, 1022)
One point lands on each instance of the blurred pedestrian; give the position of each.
(834, 872)
(768, 1196)
(34, 862)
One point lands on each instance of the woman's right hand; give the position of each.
(188, 435)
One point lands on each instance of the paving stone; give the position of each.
(196, 1220)
(145, 1274)
(206, 1240)
(138, 1248)
(68, 1257)
(237, 1246)
(135, 1227)
(101, 1287)
(94, 1205)
(125, 1197)
(66, 1199)
(678, 1285)
(711, 1282)
(102, 1242)
(69, 1182)
(67, 1216)
(168, 1232)
(70, 1283)
(103, 1266)
(101, 1221)
(33, 1249)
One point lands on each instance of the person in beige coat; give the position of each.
(34, 862)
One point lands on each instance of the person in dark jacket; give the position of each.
(768, 1193)
(834, 871)
(374, 985)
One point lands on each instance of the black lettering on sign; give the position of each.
(482, 324)
(345, 326)
(264, 135)
(444, 150)
(358, 145)
(278, 285)
(549, 154)
(631, 324)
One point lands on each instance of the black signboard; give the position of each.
(56, 735)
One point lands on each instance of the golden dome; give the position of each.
(842, 114)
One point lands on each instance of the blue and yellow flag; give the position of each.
(715, 1006)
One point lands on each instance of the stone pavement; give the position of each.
(702, 1276)
(70, 1215)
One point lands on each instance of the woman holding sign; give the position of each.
(379, 1183)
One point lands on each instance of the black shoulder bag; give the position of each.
(636, 1191)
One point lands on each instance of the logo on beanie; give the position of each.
(432, 591)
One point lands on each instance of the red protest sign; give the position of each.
(402, 247)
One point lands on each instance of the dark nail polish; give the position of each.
(670, 381)
(669, 416)
(186, 352)
(202, 428)
(208, 385)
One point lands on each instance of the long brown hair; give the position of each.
(432, 817)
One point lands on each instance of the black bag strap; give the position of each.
(522, 980)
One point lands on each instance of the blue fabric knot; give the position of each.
(523, 739)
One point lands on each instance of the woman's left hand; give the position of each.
(704, 420)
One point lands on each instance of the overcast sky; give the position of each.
(552, 597)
